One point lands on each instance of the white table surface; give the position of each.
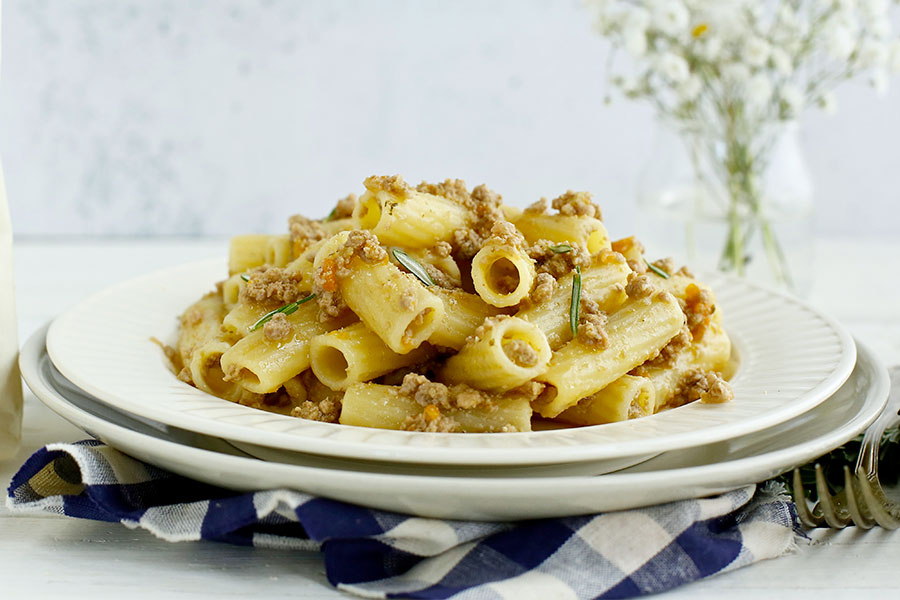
(49, 556)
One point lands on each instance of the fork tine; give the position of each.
(856, 505)
(806, 518)
(876, 502)
(834, 516)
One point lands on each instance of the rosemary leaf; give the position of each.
(287, 309)
(561, 248)
(331, 215)
(575, 306)
(412, 265)
(245, 277)
(656, 269)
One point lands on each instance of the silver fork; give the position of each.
(863, 501)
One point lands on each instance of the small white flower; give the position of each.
(872, 54)
(758, 90)
(828, 103)
(635, 18)
(792, 96)
(635, 42)
(670, 17)
(673, 67)
(878, 79)
(735, 73)
(710, 48)
(839, 42)
(756, 51)
(873, 9)
(689, 89)
(782, 62)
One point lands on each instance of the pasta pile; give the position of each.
(435, 308)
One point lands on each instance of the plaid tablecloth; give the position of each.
(379, 554)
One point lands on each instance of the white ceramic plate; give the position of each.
(700, 471)
(792, 358)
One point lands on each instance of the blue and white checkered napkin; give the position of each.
(379, 554)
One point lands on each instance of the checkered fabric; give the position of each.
(378, 554)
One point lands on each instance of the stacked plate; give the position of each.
(802, 388)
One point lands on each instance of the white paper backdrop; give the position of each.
(192, 117)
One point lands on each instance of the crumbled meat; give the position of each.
(707, 386)
(544, 286)
(272, 285)
(484, 198)
(610, 257)
(191, 317)
(392, 184)
(639, 286)
(539, 207)
(304, 231)
(442, 249)
(467, 242)
(360, 244)
(638, 266)
(426, 392)
(668, 355)
(698, 307)
(486, 328)
(685, 272)
(667, 265)
(592, 325)
(344, 208)
(505, 233)
(577, 204)
(408, 300)
(278, 328)
(327, 410)
(440, 277)
(520, 352)
(431, 421)
(557, 264)
(452, 189)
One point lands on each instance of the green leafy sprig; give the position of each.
(656, 269)
(412, 265)
(575, 306)
(287, 309)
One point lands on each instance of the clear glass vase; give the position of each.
(701, 204)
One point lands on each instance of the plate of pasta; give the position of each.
(435, 324)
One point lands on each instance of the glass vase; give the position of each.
(743, 207)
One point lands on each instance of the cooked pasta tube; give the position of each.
(199, 325)
(246, 252)
(355, 353)
(604, 284)
(502, 274)
(586, 231)
(628, 397)
(711, 353)
(337, 225)
(504, 353)
(398, 214)
(261, 364)
(463, 314)
(279, 250)
(231, 290)
(304, 265)
(636, 332)
(207, 374)
(238, 320)
(385, 407)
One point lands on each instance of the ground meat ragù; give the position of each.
(273, 285)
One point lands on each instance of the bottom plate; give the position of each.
(672, 476)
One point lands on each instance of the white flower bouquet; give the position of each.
(727, 74)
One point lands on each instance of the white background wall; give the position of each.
(193, 117)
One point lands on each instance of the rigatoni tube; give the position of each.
(354, 354)
(636, 332)
(504, 353)
(385, 407)
(628, 397)
(502, 274)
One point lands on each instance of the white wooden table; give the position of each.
(48, 556)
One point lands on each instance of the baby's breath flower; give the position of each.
(756, 51)
(759, 90)
(735, 73)
(872, 54)
(839, 42)
(670, 17)
(781, 60)
(673, 67)
(689, 89)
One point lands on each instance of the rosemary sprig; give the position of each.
(245, 277)
(412, 265)
(561, 248)
(575, 306)
(287, 309)
(331, 215)
(656, 269)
